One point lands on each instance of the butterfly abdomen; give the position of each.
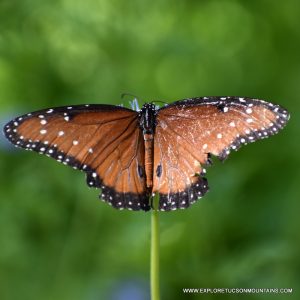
(149, 145)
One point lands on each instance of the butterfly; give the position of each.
(132, 155)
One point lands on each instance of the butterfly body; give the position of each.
(131, 155)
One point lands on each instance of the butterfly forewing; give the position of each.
(188, 131)
(103, 140)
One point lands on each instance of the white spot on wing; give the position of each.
(232, 124)
(219, 135)
(43, 131)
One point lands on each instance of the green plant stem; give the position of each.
(154, 265)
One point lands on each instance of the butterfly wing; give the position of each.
(189, 131)
(104, 141)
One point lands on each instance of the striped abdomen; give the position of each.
(148, 140)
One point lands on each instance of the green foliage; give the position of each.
(57, 241)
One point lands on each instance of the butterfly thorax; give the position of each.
(147, 117)
(147, 122)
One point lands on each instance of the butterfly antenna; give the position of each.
(157, 106)
(134, 103)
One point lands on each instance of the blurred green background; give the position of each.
(57, 240)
